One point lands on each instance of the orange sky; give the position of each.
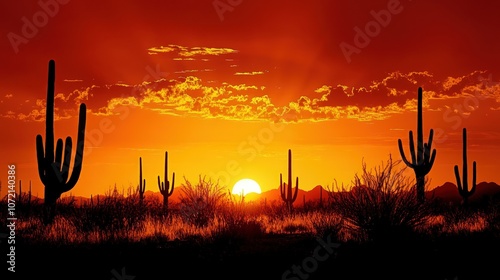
(227, 90)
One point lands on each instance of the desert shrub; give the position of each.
(381, 205)
(201, 202)
(113, 216)
(327, 223)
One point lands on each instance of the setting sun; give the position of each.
(246, 186)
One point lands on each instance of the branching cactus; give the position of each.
(141, 189)
(421, 159)
(53, 166)
(463, 187)
(287, 195)
(166, 189)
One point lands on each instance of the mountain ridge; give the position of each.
(447, 192)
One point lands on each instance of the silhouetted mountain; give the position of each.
(448, 192)
(274, 195)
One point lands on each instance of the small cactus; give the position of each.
(287, 195)
(166, 189)
(141, 189)
(463, 187)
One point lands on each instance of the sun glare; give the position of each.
(246, 186)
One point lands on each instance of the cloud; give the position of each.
(192, 95)
(188, 52)
(249, 73)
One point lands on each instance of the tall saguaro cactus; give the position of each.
(53, 168)
(166, 189)
(287, 195)
(421, 159)
(142, 183)
(463, 187)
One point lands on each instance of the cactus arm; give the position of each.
(403, 156)
(41, 159)
(296, 190)
(457, 177)
(282, 188)
(173, 183)
(473, 189)
(428, 157)
(77, 166)
(59, 152)
(402, 153)
(160, 185)
(412, 151)
(67, 158)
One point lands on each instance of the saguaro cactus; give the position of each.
(463, 187)
(166, 189)
(287, 195)
(141, 189)
(421, 159)
(53, 169)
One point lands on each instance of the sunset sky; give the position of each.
(227, 87)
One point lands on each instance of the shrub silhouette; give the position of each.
(381, 205)
(201, 202)
(53, 168)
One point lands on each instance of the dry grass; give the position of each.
(381, 210)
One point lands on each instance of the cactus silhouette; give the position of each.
(287, 195)
(463, 187)
(53, 168)
(142, 183)
(166, 189)
(421, 159)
